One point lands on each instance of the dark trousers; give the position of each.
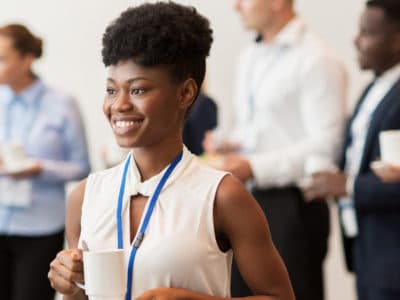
(365, 292)
(24, 264)
(300, 232)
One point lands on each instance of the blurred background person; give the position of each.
(370, 208)
(43, 147)
(289, 105)
(202, 117)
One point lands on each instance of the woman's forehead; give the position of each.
(128, 70)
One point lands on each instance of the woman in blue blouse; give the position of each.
(42, 146)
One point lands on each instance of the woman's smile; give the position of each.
(126, 124)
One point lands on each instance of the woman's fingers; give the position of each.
(65, 270)
(66, 273)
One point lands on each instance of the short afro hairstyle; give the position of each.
(390, 7)
(160, 34)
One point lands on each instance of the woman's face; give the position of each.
(13, 66)
(143, 105)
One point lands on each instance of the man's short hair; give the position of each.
(390, 7)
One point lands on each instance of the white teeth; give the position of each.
(123, 124)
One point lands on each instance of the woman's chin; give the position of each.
(126, 142)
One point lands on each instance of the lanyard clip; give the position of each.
(138, 240)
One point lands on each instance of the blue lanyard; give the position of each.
(29, 123)
(140, 234)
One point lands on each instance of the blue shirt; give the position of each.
(48, 124)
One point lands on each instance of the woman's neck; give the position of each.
(153, 159)
(22, 83)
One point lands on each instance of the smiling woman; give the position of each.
(162, 201)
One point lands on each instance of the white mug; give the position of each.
(318, 163)
(389, 142)
(13, 156)
(314, 164)
(104, 274)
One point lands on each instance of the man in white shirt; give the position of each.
(289, 106)
(370, 208)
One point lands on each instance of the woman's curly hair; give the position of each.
(160, 34)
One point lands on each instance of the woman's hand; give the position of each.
(32, 170)
(65, 270)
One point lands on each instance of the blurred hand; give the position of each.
(33, 170)
(386, 172)
(238, 166)
(212, 146)
(65, 270)
(325, 184)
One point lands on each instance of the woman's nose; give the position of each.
(123, 102)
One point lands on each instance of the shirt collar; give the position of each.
(291, 33)
(147, 187)
(390, 76)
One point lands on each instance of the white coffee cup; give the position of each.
(315, 164)
(104, 274)
(13, 157)
(318, 163)
(389, 142)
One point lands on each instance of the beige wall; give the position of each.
(73, 29)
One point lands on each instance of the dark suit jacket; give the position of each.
(202, 117)
(375, 253)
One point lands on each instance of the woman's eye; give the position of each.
(137, 91)
(110, 91)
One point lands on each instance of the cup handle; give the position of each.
(80, 285)
(85, 248)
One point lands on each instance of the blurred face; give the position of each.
(256, 14)
(377, 43)
(13, 66)
(143, 105)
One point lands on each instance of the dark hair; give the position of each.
(390, 7)
(23, 40)
(160, 34)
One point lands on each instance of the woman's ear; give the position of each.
(188, 93)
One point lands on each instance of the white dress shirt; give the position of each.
(289, 105)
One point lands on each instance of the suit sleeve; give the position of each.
(370, 193)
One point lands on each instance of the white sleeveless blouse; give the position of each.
(179, 248)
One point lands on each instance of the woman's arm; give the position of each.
(67, 267)
(241, 222)
(239, 218)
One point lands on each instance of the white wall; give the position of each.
(72, 31)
